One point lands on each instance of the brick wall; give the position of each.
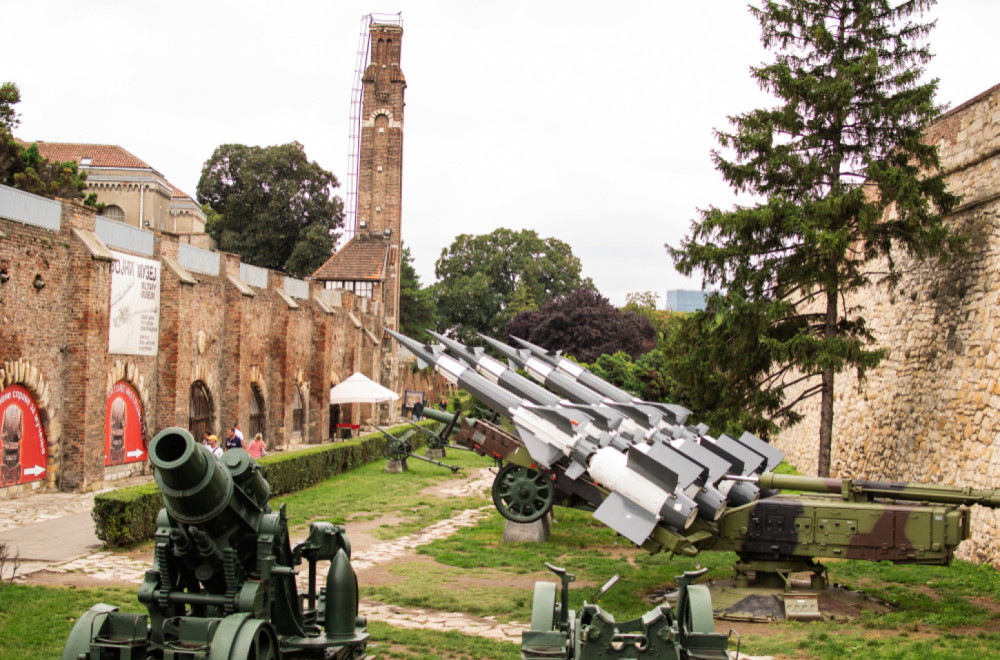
(211, 331)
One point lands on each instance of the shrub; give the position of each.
(127, 516)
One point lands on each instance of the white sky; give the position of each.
(587, 121)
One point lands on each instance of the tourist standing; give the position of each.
(257, 448)
(232, 441)
(213, 446)
(418, 410)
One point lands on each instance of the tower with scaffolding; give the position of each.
(367, 261)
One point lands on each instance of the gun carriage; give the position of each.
(223, 581)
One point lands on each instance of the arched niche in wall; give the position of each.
(29, 432)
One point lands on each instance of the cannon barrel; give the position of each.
(897, 490)
(438, 415)
(196, 487)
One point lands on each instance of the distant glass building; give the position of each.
(683, 300)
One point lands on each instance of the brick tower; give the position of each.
(380, 167)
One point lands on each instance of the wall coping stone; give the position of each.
(287, 298)
(98, 250)
(179, 271)
(241, 286)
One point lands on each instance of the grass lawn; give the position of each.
(943, 612)
(368, 492)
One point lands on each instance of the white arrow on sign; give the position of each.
(34, 471)
(135, 453)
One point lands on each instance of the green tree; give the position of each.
(274, 207)
(845, 178)
(484, 280)
(417, 310)
(10, 96)
(24, 168)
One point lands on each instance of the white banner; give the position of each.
(134, 327)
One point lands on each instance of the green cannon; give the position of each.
(223, 581)
(688, 632)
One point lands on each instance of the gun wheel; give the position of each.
(522, 495)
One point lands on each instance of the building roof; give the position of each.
(100, 155)
(362, 258)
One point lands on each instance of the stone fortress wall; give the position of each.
(930, 412)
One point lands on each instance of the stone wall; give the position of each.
(931, 411)
(214, 329)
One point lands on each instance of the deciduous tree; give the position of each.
(484, 280)
(275, 208)
(844, 178)
(417, 310)
(585, 325)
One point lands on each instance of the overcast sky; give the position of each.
(586, 121)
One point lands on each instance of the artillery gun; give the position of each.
(222, 585)
(400, 448)
(668, 486)
(440, 441)
(688, 632)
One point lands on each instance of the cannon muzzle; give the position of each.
(196, 487)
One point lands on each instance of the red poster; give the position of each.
(123, 426)
(23, 452)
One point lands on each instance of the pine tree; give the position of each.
(846, 182)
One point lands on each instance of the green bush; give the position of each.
(127, 516)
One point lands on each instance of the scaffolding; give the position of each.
(354, 129)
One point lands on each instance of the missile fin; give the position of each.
(575, 470)
(766, 449)
(541, 452)
(652, 469)
(626, 518)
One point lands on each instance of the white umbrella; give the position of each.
(361, 389)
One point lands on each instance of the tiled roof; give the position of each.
(362, 258)
(179, 194)
(100, 155)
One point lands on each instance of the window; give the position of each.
(298, 413)
(256, 416)
(112, 212)
(358, 288)
(200, 416)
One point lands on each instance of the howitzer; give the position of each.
(591, 633)
(222, 585)
(399, 448)
(442, 439)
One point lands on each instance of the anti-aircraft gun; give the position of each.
(668, 486)
(688, 632)
(222, 585)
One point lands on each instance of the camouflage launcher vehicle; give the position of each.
(667, 485)
(222, 585)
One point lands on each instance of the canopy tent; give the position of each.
(361, 389)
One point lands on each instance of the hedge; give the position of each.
(127, 516)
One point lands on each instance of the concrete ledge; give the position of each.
(287, 298)
(98, 250)
(179, 271)
(240, 286)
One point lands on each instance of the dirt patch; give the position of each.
(46, 578)
(360, 534)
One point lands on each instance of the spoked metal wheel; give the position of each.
(522, 495)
